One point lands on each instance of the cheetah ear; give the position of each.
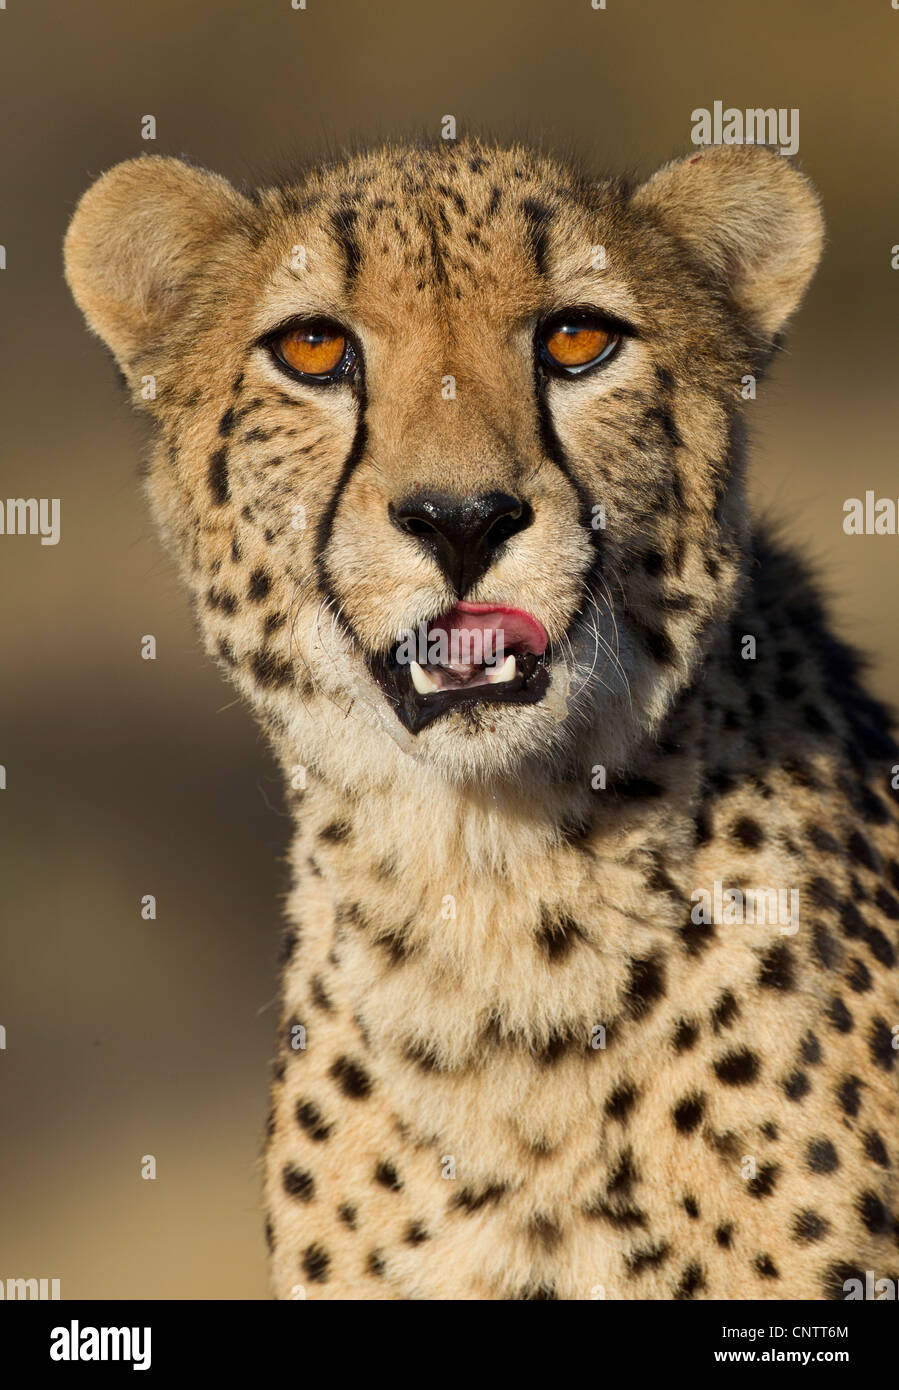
(138, 238)
(749, 215)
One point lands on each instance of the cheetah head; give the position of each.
(448, 440)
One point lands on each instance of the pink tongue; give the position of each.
(517, 629)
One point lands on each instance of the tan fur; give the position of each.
(472, 910)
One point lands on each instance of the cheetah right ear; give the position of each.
(748, 215)
(139, 237)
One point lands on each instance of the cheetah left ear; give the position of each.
(749, 215)
(140, 236)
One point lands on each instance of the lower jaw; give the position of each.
(415, 712)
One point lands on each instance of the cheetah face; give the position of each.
(449, 438)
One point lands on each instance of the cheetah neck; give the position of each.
(419, 893)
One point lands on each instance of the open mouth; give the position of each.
(477, 653)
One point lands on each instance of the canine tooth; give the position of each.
(506, 672)
(424, 683)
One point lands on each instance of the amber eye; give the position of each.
(572, 345)
(319, 350)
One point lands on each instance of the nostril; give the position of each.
(508, 525)
(417, 526)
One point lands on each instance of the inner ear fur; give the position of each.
(138, 237)
(751, 217)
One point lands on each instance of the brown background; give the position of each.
(128, 777)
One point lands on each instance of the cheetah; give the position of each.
(589, 978)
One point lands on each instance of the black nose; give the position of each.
(463, 534)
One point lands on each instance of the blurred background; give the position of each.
(126, 777)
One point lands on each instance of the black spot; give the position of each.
(649, 1257)
(765, 1180)
(269, 1236)
(289, 942)
(822, 840)
(858, 976)
(874, 1215)
(879, 946)
(416, 1232)
(769, 1129)
(545, 1232)
(837, 1276)
(645, 986)
(335, 832)
(558, 935)
(691, 1281)
(887, 904)
(822, 893)
(825, 948)
(737, 1068)
(747, 832)
(375, 1264)
(387, 1176)
(536, 1291)
(810, 1049)
(778, 969)
(621, 1101)
(352, 1079)
(309, 1118)
(696, 936)
(861, 851)
(808, 1226)
(839, 1016)
(298, 1183)
(423, 1055)
(797, 1085)
(260, 584)
(226, 424)
(691, 1206)
(766, 1267)
(226, 652)
(271, 672)
(468, 1200)
(725, 1011)
(654, 563)
(316, 1263)
(348, 1215)
(658, 644)
(724, 1235)
(821, 1156)
(218, 478)
(320, 995)
(880, 1044)
(223, 600)
(685, 1035)
(687, 1113)
(876, 1149)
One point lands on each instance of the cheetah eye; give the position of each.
(318, 351)
(572, 343)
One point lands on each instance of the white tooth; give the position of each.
(424, 683)
(506, 672)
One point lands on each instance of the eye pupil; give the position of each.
(312, 349)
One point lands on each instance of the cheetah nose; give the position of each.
(462, 533)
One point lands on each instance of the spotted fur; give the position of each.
(510, 1064)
